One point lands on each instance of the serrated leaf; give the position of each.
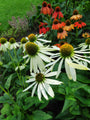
(40, 115)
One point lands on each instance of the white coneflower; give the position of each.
(37, 39)
(41, 82)
(4, 44)
(73, 59)
(37, 54)
(86, 44)
(13, 44)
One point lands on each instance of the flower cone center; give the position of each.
(60, 30)
(40, 77)
(23, 40)
(55, 21)
(12, 40)
(66, 50)
(75, 12)
(3, 40)
(68, 22)
(44, 4)
(32, 38)
(31, 48)
(57, 9)
(87, 41)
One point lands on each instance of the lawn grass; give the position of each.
(9, 8)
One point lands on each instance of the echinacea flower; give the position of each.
(50, 9)
(79, 24)
(68, 25)
(45, 10)
(86, 44)
(4, 44)
(86, 35)
(13, 44)
(57, 13)
(37, 55)
(42, 82)
(55, 24)
(61, 33)
(76, 15)
(37, 39)
(74, 59)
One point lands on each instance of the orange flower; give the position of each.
(61, 33)
(76, 15)
(55, 24)
(60, 44)
(45, 10)
(79, 24)
(57, 13)
(61, 24)
(68, 25)
(86, 35)
(50, 9)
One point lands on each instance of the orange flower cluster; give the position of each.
(79, 24)
(43, 28)
(61, 26)
(46, 8)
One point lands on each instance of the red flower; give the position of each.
(57, 13)
(50, 9)
(79, 24)
(45, 10)
(0, 44)
(43, 28)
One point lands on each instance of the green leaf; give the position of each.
(6, 109)
(8, 82)
(40, 115)
(30, 101)
(69, 101)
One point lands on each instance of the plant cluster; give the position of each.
(45, 76)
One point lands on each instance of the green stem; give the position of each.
(14, 65)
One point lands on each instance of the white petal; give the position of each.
(33, 91)
(59, 68)
(73, 73)
(30, 80)
(77, 66)
(44, 57)
(29, 86)
(52, 82)
(25, 56)
(48, 89)
(67, 68)
(40, 63)
(51, 74)
(39, 93)
(31, 65)
(43, 40)
(82, 59)
(43, 91)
